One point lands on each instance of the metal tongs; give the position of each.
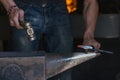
(91, 48)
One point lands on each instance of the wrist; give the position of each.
(88, 35)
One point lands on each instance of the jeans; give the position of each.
(49, 20)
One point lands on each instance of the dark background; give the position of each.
(105, 6)
(104, 67)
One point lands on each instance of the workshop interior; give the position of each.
(103, 67)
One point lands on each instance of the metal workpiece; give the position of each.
(92, 49)
(41, 65)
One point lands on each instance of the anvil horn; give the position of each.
(57, 63)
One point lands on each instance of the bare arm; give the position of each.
(90, 14)
(15, 14)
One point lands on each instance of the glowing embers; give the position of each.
(71, 5)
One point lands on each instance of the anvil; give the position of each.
(42, 65)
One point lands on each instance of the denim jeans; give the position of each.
(50, 20)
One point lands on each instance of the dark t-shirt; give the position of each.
(42, 1)
(34, 1)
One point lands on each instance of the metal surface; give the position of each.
(32, 64)
(91, 48)
(40, 65)
(56, 64)
(29, 30)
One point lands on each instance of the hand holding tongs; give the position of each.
(91, 48)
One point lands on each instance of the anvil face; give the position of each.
(40, 65)
(33, 68)
(31, 64)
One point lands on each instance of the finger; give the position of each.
(78, 46)
(96, 45)
(21, 15)
(16, 21)
(14, 16)
(12, 23)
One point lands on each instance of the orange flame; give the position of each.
(71, 5)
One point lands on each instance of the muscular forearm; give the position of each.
(7, 3)
(90, 14)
